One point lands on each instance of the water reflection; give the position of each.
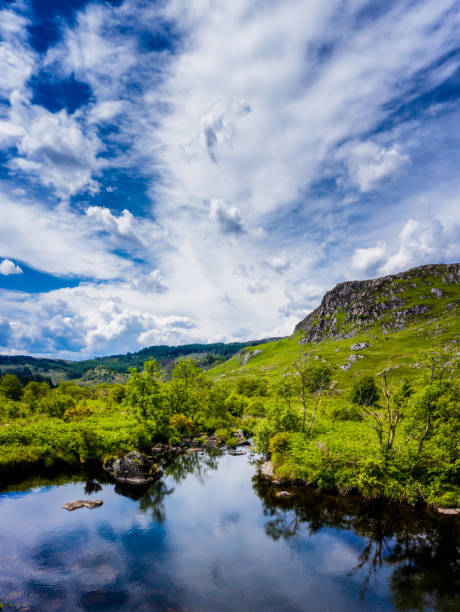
(213, 536)
(421, 548)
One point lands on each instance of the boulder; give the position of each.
(359, 346)
(83, 503)
(241, 440)
(133, 469)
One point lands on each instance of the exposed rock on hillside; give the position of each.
(391, 300)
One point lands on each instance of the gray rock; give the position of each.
(359, 346)
(437, 292)
(133, 469)
(283, 494)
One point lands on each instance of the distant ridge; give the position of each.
(33, 368)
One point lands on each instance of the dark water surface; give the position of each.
(212, 536)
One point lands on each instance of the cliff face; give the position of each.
(392, 300)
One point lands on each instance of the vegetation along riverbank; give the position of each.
(363, 397)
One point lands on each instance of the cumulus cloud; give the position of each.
(419, 242)
(8, 267)
(368, 163)
(227, 217)
(368, 260)
(422, 242)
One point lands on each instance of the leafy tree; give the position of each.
(189, 388)
(364, 391)
(10, 387)
(144, 394)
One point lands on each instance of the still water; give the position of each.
(213, 536)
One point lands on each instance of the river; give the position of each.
(213, 536)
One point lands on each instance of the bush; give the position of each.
(256, 408)
(364, 392)
(10, 387)
(183, 424)
(348, 412)
(279, 443)
(174, 441)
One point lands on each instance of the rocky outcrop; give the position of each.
(133, 469)
(356, 305)
(83, 503)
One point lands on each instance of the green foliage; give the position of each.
(183, 424)
(364, 391)
(10, 387)
(250, 386)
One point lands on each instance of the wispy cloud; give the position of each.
(281, 147)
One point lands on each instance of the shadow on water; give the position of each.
(421, 548)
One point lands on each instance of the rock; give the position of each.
(241, 440)
(248, 356)
(437, 292)
(133, 469)
(359, 346)
(283, 494)
(266, 469)
(346, 366)
(352, 359)
(83, 503)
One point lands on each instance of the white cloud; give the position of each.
(368, 163)
(278, 263)
(367, 260)
(422, 242)
(226, 216)
(419, 242)
(8, 267)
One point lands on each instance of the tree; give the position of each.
(10, 387)
(144, 395)
(311, 379)
(188, 388)
(364, 391)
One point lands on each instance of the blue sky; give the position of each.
(182, 171)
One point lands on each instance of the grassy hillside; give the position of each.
(114, 368)
(400, 350)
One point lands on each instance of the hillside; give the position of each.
(114, 368)
(396, 316)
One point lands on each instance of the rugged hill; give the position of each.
(362, 327)
(393, 301)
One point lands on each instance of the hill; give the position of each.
(396, 317)
(114, 368)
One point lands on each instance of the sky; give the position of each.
(180, 171)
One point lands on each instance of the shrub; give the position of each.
(279, 443)
(348, 412)
(364, 391)
(182, 423)
(256, 408)
(174, 441)
(10, 387)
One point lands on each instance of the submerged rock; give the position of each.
(133, 469)
(83, 503)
